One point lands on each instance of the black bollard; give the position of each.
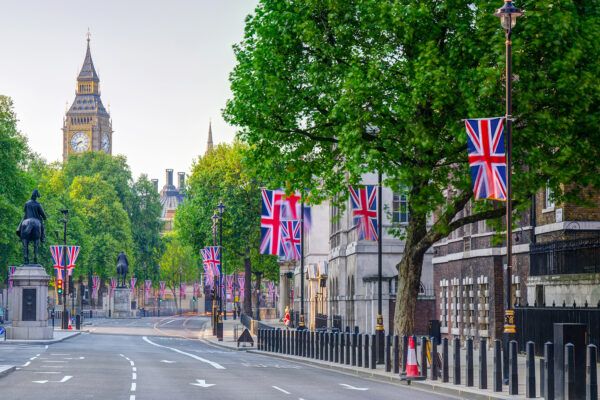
(284, 341)
(366, 351)
(530, 371)
(456, 378)
(569, 372)
(341, 349)
(289, 342)
(312, 344)
(373, 351)
(497, 366)
(301, 342)
(305, 352)
(259, 339)
(296, 343)
(321, 345)
(329, 341)
(326, 346)
(354, 340)
(513, 373)
(279, 347)
(542, 378)
(388, 353)
(424, 356)
(548, 371)
(336, 346)
(435, 368)
(268, 339)
(404, 353)
(470, 374)
(482, 364)
(348, 347)
(359, 350)
(445, 357)
(591, 378)
(396, 354)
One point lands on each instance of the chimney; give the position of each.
(155, 183)
(169, 177)
(181, 176)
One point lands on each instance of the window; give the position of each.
(400, 208)
(548, 201)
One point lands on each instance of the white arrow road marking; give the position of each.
(202, 383)
(167, 361)
(352, 387)
(204, 360)
(40, 381)
(66, 378)
(63, 380)
(281, 390)
(46, 372)
(27, 363)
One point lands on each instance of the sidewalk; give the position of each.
(232, 329)
(59, 336)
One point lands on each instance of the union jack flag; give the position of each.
(95, 281)
(487, 159)
(229, 283)
(162, 288)
(212, 257)
(290, 231)
(270, 287)
(57, 257)
(241, 282)
(72, 253)
(132, 287)
(209, 280)
(148, 284)
(113, 285)
(364, 211)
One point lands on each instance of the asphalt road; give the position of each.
(172, 363)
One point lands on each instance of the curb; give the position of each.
(49, 341)
(461, 392)
(6, 369)
(217, 344)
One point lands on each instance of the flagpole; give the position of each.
(379, 328)
(302, 323)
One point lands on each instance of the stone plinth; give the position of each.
(121, 306)
(29, 299)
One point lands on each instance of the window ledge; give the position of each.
(549, 209)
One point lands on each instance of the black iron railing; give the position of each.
(320, 321)
(565, 257)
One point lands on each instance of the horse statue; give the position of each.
(122, 270)
(31, 227)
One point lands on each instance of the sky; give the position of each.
(163, 68)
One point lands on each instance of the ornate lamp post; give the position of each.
(215, 219)
(508, 15)
(220, 210)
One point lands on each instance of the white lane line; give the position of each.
(33, 358)
(132, 397)
(131, 362)
(133, 386)
(46, 372)
(121, 355)
(66, 378)
(134, 369)
(60, 354)
(167, 323)
(280, 389)
(37, 355)
(55, 361)
(27, 364)
(212, 363)
(134, 376)
(46, 347)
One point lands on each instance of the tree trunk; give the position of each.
(247, 285)
(409, 276)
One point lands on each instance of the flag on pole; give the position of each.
(290, 235)
(196, 286)
(241, 282)
(182, 290)
(209, 280)
(487, 158)
(148, 283)
(113, 285)
(72, 253)
(57, 257)
(229, 284)
(132, 287)
(11, 272)
(95, 282)
(162, 289)
(364, 211)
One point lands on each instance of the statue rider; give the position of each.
(33, 209)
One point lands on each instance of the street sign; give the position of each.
(1, 330)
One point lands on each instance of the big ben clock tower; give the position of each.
(87, 125)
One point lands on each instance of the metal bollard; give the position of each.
(359, 350)
(456, 377)
(289, 342)
(482, 364)
(388, 353)
(325, 346)
(354, 340)
(542, 378)
(284, 341)
(312, 344)
(259, 344)
(330, 347)
(591, 378)
(296, 343)
(321, 345)
(424, 356)
(366, 351)
(404, 353)
(373, 351)
(305, 350)
(348, 347)
(445, 366)
(396, 354)
(342, 343)
(435, 370)
(569, 372)
(278, 334)
(267, 344)
(470, 374)
(497, 366)
(548, 371)
(513, 375)
(336, 345)
(530, 371)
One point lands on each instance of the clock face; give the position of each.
(80, 142)
(105, 143)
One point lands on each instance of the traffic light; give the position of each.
(71, 287)
(59, 287)
(194, 299)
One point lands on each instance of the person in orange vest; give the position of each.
(286, 319)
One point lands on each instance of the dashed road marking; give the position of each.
(133, 386)
(281, 390)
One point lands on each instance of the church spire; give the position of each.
(88, 72)
(209, 142)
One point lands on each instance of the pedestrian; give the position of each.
(286, 319)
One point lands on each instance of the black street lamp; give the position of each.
(64, 319)
(380, 331)
(508, 15)
(302, 324)
(221, 210)
(214, 318)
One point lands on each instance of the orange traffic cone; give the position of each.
(70, 327)
(412, 371)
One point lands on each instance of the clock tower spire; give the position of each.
(87, 125)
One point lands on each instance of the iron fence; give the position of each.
(578, 256)
(320, 321)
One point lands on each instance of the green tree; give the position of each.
(221, 175)
(327, 91)
(177, 264)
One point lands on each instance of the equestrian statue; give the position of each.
(31, 228)
(122, 270)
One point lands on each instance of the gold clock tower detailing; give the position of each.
(87, 125)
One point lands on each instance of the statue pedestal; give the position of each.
(29, 299)
(121, 307)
